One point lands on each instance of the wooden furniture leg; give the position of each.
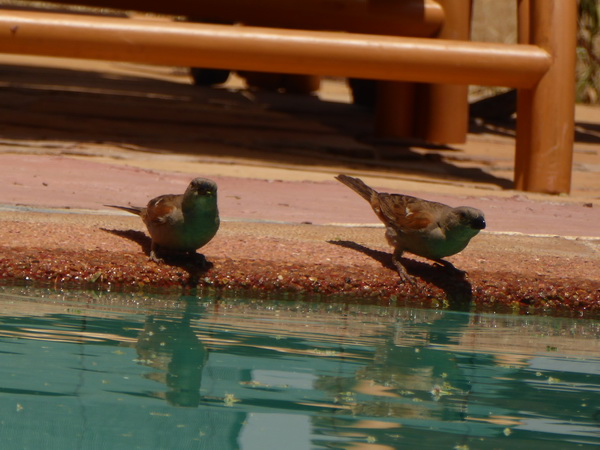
(546, 112)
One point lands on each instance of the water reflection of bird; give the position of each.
(171, 345)
(183, 222)
(428, 229)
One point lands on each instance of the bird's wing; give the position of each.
(404, 213)
(163, 208)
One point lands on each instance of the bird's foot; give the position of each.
(155, 258)
(154, 254)
(407, 279)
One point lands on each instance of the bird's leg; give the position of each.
(404, 276)
(153, 254)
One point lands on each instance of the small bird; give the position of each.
(183, 222)
(429, 229)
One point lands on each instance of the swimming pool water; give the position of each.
(90, 370)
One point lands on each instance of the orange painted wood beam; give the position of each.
(546, 112)
(417, 18)
(272, 50)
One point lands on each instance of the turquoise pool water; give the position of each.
(83, 370)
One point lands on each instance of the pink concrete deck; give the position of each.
(78, 139)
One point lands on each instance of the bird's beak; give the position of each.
(478, 223)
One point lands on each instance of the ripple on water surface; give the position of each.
(102, 370)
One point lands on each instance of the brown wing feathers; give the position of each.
(402, 213)
(161, 207)
(398, 211)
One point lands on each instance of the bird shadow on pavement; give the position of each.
(457, 288)
(195, 265)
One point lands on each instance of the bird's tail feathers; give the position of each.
(357, 185)
(130, 209)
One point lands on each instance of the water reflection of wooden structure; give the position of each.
(364, 326)
(399, 43)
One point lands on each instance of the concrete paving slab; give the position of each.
(75, 138)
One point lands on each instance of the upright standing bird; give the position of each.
(429, 229)
(183, 222)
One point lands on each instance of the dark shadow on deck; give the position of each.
(457, 288)
(195, 266)
(158, 116)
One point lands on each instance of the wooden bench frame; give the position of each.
(541, 66)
